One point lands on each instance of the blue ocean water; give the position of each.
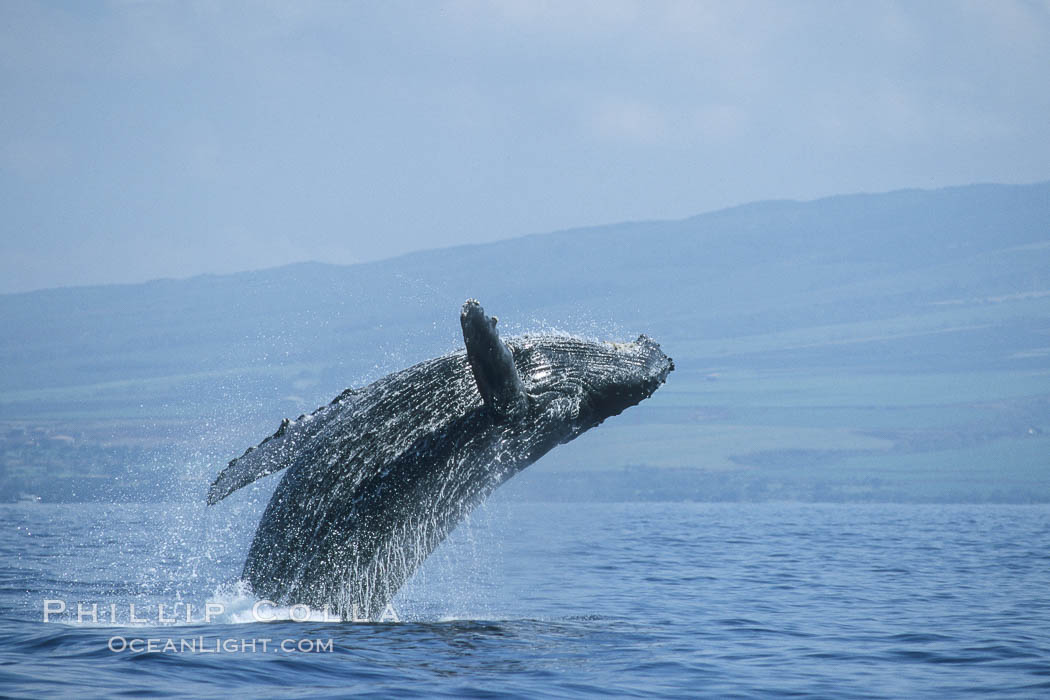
(653, 599)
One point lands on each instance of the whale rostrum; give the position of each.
(379, 477)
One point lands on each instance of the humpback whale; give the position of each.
(380, 476)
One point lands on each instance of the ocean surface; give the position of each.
(528, 599)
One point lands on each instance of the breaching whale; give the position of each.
(377, 478)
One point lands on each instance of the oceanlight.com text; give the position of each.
(217, 645)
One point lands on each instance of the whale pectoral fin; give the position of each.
(492, 362)
(233, 477)
(254, 464)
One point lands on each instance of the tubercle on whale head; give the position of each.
(660, 363)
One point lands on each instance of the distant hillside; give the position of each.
(873, 347)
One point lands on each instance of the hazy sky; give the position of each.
(164, 139)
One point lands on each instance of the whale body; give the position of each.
(380, 476)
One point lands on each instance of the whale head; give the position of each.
(588, 380)
(596, 379)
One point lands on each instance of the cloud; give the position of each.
(370, 129)
(634, 122)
